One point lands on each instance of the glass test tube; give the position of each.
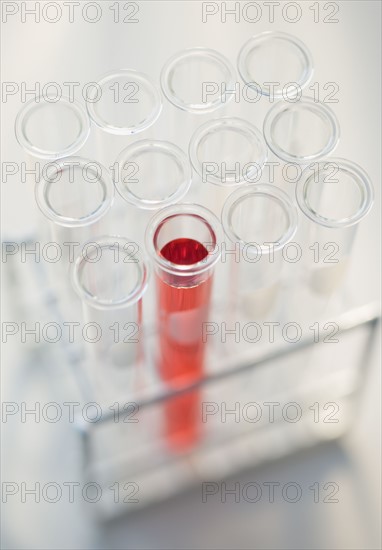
(196, 81)
(301, 132)
(270, 61)
(259, 220)
(335, 196)
(47, 129)
(184, 243)
(184, 79)
(274, 66)
(150, 174)
(123, 103)
(75, 196)
(50, 128)
(226, 152)
(110, 277)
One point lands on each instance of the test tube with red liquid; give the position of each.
(184, 242)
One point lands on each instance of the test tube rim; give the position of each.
(133, 297)
(363, 181)
(198, 51)
(309, 69)
(127, 130)
(79, 111)
(165, 147)
(66, 221)
(197, 210)
(323, 111)
(266, 190)
(235, 123)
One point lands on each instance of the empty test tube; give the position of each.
(75, 198)
(150, 174)
(50, 128)
(258, 220)
(196, 82)
(226, 152)
(110, 276)
(275, 64)
(335, 195)
(124, 103)
(301, 132)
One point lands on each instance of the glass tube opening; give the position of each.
(228, 151)
(258, 215)
(124, 103)
(275, 57)
(153, 174)
(184, 221)
(111, 273)
(301, 131)
(52, 128)
(75, 192)
(196, 80)
(335, 193)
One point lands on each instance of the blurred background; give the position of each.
(342, 515)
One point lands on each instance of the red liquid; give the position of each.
(183, 309)
(184, 252)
